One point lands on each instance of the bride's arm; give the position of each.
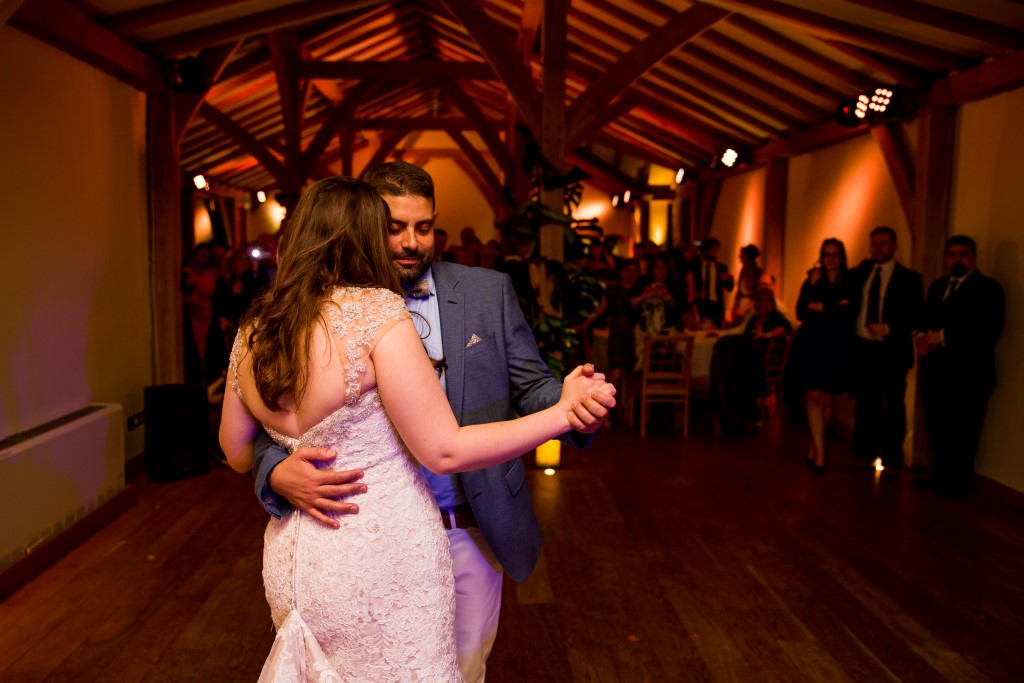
(419, 409)
(238, 430)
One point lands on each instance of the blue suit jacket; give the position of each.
(492, 380)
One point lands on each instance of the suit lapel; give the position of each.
(452, 311)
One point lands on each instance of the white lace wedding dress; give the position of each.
(375, 599)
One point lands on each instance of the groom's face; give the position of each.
(411, 236)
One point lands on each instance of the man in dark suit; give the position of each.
(472, 325)
(963, 320)
(891, 298)
(711, 281)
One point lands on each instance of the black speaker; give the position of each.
(177, 432)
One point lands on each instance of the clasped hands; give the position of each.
(318, 491)
(927, 341)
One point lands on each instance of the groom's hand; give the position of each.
(589, 414)
(312, 490)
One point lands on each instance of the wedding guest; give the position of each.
(962, 323)
(889, 299)
(711, 281)
(821, 347)
(747, 282)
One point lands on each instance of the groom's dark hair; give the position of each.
(401, 179)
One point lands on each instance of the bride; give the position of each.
(329, 357)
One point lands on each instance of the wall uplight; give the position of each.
(680, 175)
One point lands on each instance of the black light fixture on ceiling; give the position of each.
(879, 104)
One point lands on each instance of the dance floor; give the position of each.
(711, 559)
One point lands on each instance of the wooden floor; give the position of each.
(705, 560)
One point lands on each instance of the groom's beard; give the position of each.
(408, 274)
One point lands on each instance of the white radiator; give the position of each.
(52, 476)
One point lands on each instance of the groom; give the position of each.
(470, 318)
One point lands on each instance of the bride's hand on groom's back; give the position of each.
(316, 491)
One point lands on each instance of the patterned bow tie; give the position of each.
(419, 289)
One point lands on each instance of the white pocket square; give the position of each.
(473, 341)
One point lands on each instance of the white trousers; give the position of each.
(477, 600)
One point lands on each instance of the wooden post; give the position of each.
(552, 140)
(775, 187)
(930, 227)
(165, 240)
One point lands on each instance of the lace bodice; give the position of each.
(375, 599)
(357, 317)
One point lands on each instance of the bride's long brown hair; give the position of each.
(336, 237)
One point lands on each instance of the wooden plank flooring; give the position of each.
(705, 560)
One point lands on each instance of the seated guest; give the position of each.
(747, 283)
(766, 322)
(658, 297)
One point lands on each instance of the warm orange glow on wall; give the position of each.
(202, 226)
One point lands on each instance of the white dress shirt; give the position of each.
(887, 269)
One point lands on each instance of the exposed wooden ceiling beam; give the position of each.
(255, 24)
(638, 149)
(580, 134)
(948, 20)
(291, 95)
(826, 134)
(591, 162)
(187, 104)
(244, 140)
(414, 123)
(68, 29)
(897, 155)
(683, 27)
(899, 72)
(387, 146)
(7, 8)
(338, 116)
(827, 28)
(984, 80)
(401, 70)
(802, 55)
(487, 128)
(477, 160)
(165, 12)
(501, 55)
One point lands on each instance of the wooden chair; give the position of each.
(775, 358)
(665, 375)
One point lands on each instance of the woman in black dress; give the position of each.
(824, 339)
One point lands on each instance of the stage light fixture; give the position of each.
(201, 182)
(680, 175)
(881, 103)
(730, 157)
(261, 196)
(615, 200)
(626, 196)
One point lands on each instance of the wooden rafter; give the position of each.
(683, 27)
(255, 24)
(339, 116)
(284, 57)
(7, 8)
(593, 164)
(827, 28)
(897, 71)
(500, 53)
(948, 20)
(896, 153)
(187, 104)
(990, 78)
(490, 182)
(399, 70)
(244, 140)
(486, 128)
(388, 143)
(165, 12)
(66, 28)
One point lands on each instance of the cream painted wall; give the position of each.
(77, 325)
(739, 218)
(987, 180)
(841, 191)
